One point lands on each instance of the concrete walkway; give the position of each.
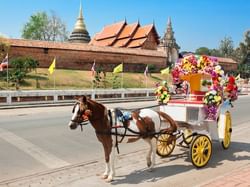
(238, 178)
(131, 171)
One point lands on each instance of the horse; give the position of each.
(112, 127)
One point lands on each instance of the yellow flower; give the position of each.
(217, 99)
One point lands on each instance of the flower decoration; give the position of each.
(220, 88)
(162, 94)
(212, 99)
(230, 89)
(196, 64)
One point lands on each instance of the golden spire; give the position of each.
(79, 26)
(80, 33)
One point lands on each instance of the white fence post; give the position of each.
(55, 97)
(9, 99)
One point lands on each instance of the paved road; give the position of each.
(37, 140)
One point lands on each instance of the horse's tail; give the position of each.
(167, 118)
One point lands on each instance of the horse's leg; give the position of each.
(151, 152)
(107, 165)
(107, 145)
(112, 163)
(154, 144)
(148, 157)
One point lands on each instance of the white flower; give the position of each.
(217, 68)
(213, 92)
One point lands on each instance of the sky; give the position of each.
(196, 23)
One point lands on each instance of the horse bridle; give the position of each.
(79, 118)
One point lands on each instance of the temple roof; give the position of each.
(110, 31)
(121, 34)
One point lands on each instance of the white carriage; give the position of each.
(195, 131)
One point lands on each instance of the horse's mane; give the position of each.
(98, 110)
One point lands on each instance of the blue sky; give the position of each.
(196, 23)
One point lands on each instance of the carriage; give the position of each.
(196, 131)
(201, 115)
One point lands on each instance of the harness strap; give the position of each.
(116, 137)
(116, 133)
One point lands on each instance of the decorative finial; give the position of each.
(169, 21)
(80, 11)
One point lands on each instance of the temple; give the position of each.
(125, 35)
(132, 44)
(168, 44)
(79, 33)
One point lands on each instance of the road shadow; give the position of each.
(238, 151)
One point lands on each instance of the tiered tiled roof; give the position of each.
(122, 34)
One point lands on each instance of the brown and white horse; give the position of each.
(110, 131)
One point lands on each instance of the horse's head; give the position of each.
(80, 113)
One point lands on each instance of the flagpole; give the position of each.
(8, 75)
(54, 81)
(54, 77)
(122, 76)
(93, 77)
(145, 76)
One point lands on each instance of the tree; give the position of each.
(215, 52)
(100, 79)
(242, 54)
(244, 49)
(151, 69)
(4, 48)
(42, 26)
(226, 47)
(20, 67)
(202, 51)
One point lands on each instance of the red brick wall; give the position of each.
(76, 59)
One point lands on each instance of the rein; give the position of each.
(134, 109)
(81, 124)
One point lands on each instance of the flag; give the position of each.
(165, 71)
(4, 63)
(118, 68)
(52, 66)
(93, 69)
(146, 71)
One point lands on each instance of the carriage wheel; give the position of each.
(165, 145)
(228, 130)
(187, 138)
(201, 150)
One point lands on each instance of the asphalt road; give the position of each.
(38, 139)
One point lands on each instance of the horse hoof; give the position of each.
(104, 177)
(109, 179)
(149, 163)
(150, 169)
